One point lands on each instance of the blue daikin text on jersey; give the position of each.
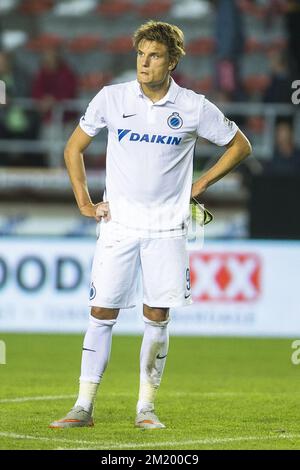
(151, 139)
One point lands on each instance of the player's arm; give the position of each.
(73, 155)
(237, 150)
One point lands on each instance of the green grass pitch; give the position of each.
(217, 393)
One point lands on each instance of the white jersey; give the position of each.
(149, 163)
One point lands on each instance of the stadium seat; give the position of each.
(203, 85)
(278, 44)
(115, 8)
(154, 8)
(85, 43)
(95, 161)
(256, 83)
(35, 7)
(248, 7)
(120, 45)
(44, 41)
(93, 81)
(253, 45)
(256, 124)
(201, 46)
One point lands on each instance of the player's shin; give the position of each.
(153, 356)
(95, 357)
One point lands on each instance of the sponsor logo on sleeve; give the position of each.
(228, 122)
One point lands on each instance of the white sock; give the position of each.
(95, 357)
(152, 361)
(87, 395)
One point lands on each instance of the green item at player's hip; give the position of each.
(199, 213)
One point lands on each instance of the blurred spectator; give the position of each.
(292, 9)
(16, 122)
(54, 82)
(16, 80)
(286, 159)
(229, 46)
(279, 89)
(13, 119)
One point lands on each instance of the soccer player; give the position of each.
(153, 125)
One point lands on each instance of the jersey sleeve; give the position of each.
(213, 125)
(94, 118)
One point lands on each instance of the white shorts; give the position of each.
(163, 264)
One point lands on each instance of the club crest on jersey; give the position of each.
(92, 292)
(175, 121)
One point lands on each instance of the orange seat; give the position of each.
(35, 7)
(94, 81)
(256, 124)
(203, 85)
(115, 8)
(95, 162)
(256, 83)
(201, 46)
(85, 43)
(252, 9)
(120, 45)
(155, 8)
(44, 41)
(253, 45)
(277, 45)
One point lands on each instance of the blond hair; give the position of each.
(164, 33)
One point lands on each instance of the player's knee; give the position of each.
(102, 313)
(156, 314)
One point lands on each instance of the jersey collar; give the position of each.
(170, 96)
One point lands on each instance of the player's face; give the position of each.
(153, 63)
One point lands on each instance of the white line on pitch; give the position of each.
(12, 435)
(134, 445)
(41, 398)
(125, 394)
(204, 441)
